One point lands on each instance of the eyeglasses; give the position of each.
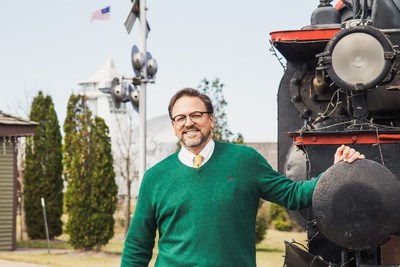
(195, 117)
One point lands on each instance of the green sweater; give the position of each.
(206, 216)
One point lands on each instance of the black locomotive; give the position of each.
(341, 85)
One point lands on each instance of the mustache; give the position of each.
(191, 128)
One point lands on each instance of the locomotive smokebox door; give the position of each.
(356, 205)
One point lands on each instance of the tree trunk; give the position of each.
(128, 205)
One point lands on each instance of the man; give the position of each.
(206, 215)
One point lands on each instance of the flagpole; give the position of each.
(142, 95)
(109, 30)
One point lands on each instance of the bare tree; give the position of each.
(125, 157)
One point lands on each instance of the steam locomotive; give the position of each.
(341, 85)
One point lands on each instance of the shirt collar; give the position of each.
(186, 157)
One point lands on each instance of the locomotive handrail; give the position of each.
(335, 138)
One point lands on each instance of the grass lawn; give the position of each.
(269, 253)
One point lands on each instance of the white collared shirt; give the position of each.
(187, 157)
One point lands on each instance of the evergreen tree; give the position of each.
(43, 171)
(91, 192)
(104, 190)
(76, 166)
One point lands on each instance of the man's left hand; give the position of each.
(347, 154)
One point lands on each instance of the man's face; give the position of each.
(193, 135)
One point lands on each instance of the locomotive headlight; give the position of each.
(359, 58)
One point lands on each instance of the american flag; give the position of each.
(101, 14)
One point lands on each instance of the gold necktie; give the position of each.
(198, 159)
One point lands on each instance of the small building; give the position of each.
(11, 128)
(269, 150)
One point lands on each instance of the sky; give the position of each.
(51, 45)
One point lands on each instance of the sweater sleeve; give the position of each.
(139, 242)
(276, 188)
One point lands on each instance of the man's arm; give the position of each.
(296, 195)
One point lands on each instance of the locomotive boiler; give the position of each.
(341, 85)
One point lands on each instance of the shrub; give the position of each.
(261, 223)
(279, 218)
(282, 225)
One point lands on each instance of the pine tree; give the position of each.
(104, 189)
(91, 191)
(76, 165)
(43, 171)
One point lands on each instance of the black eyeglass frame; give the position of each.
(190, 116)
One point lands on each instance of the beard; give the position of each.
(194, 139)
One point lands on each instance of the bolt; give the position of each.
(306, 112)
(295, 98)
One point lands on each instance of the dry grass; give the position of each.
(65, 259)
(269, 253)
(272, 249)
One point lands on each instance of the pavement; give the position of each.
(5, 263)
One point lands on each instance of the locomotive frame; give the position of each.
(342, 86)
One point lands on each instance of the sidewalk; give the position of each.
(5, 263)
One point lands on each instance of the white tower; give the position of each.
(101, 104)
